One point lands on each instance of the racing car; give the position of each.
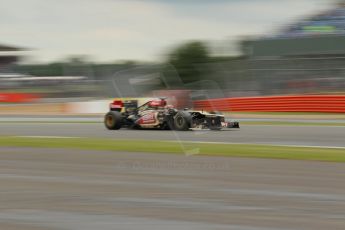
(157, 114)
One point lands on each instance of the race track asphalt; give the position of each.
(254, 134)
(51, 189)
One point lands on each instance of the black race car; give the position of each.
(156, 114)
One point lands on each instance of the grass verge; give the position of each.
(187, 148)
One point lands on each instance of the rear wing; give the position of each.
(123, 105)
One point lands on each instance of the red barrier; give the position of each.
(296, 103)
(17, 97)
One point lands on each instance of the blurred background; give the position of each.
(58, 52)
(277, 67)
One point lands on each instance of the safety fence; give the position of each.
(295, 103)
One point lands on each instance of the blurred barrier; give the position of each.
(34, 109)
(92, 107)
(302, 103)
(87, 107)
(96, 106)
(297, 103)
(18, 97)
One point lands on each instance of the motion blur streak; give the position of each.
(279, 135)
(276, 69)
(54, 189)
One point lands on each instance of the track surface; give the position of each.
(84, 190)
(280, 135)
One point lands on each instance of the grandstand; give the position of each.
(305, 57)
(328, 22)
(320, 34)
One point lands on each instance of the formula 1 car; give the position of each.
(156, 114)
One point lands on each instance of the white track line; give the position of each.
(263, 144)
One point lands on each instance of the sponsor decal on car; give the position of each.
(148, 119)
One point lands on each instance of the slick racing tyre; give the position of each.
(182, 121)
(113, 120)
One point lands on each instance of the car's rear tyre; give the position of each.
(113, 120)
(182, 121)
